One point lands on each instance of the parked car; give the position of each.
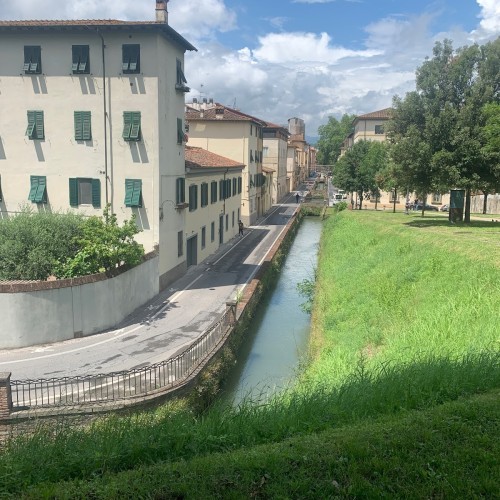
(418, 206)
(445, 208)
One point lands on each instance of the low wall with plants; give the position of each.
(51, 311)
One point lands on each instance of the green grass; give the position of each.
(398, 399)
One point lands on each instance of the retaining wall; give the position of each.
(51, 311)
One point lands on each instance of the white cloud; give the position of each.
(490, 16)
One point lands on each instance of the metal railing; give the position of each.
(103, 388)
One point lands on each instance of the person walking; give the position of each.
(240, 227)
(297, 197)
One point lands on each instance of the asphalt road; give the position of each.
(167, 324)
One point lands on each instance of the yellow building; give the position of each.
(213, 194)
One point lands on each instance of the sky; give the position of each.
(311, 59)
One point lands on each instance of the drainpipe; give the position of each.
(104, 112)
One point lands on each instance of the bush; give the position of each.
(32, 243)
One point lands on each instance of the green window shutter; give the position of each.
(239, 185)
(127, 125)
(86, 128)
(129, 192)
(41, 190)
(135, 128)
(73, 192)
(40, 132)
(180, 190)
(78, 126)
(96, 193)
(84, 59)
(137, 194)
(33, 187)
(180, 132)
(30, 130)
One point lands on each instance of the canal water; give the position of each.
(278, 336)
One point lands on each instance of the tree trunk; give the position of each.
(424, 201)
(467, 206)
(394, 201)
(485, 202)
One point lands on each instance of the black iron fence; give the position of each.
(116, 386)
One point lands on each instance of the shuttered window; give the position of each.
(239, 185)
(180, 83)
(80, 58)
(180, 190)
(85, 192)
(35, 129)
(132, 125)
(204, 194)
(133, 192)
(180, 131)
(193, 197)
(131, 58)
(38, 189)
(213, 192)
(83, 129)
(235, 185)
(32, 59)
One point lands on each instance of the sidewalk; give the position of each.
(167, 324)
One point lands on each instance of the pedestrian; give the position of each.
(240, 227)
(297, 197)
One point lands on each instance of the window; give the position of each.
(204, 194)
(81, 63)
(193, 197)
(181, 81)
(180, 190)
(265, 151)
(227, 222)
(379, 129)
(228, 188)
(436, 198)
(213, 192)
(239, 185)
(133, 192)
(239, 214)
(35, 129)
(251, 156)
(222, 190)
(203, 236)
(83, 130)
(393, 197)
(235, 185)
(85, 192)
(232, 222)
(132, 125)
(131, 58)
(180, 244)
(180, 131)
(212, 232)
(32, 59)
(38, 189)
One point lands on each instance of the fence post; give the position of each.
(231, 312)
(5, 395)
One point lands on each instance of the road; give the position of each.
(167, 324)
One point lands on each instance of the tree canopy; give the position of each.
(331, 137)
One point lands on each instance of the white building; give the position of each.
(93, 113)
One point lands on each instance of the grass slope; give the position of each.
(399, 398)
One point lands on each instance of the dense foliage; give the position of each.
(34, 246)
(331, 137)
(32, 243)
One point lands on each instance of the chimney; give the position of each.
(161, 11)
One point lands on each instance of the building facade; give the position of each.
(274, 158)
(93, 114)
(213, 190)
(235, 135)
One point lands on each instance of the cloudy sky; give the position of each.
(277, 59)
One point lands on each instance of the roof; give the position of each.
(383, 114)
(268, 170)
(201, 158)
(96, 24)
(220, 112)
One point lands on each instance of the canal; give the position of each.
(278, 336)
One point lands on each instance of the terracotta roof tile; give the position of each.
(376, 115)
(222, 113)
(201, 158)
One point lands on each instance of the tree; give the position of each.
(331, 137)
(103, 246)
(356, 171)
